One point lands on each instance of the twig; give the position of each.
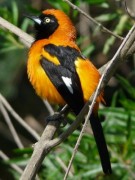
(104, 29)
(77, 145)
(10, 125)
(129, 12)
(18, 118)
(49, 107)
(21, 34)
(63, 166)
(14, 166)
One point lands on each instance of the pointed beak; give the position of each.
(36, 19)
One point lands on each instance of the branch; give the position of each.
(10, 125)
(18, 118)
(27, 39)
(104, 29)
(14, 166)
(77, 145)
(128, 10)
(49, 107)
(63, 166)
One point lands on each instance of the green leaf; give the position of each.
(60, 5)
(128, 104)
(127, 86)
(26, 22)
(106, 17)
(23, 151)
(15, 13)
(94, 2)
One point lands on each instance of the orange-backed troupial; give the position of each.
(61, 74)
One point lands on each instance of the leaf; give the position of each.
(128, 104)
(60, 5)
(88, 50)
(106, 17)
(23, 151)
(26, 22)
(94, 2)
(127, 86)
(14, 13)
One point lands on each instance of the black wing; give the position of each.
(64, 76)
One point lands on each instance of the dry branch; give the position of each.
(18, 118)
(11, 127)
(14, 166)
(104, 29)
(27, 39)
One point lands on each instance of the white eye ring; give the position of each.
(47, 20)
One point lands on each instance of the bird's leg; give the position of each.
(59, 116)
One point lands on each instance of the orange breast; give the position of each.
(37, 76)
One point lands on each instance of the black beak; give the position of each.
(36, 19)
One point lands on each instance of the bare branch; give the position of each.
(14, 166)
(27, 39)
(49, 107)
(77, 145)
(104, 29)
(10, 125)
(128, 10)
(18, 118)
(63, 166)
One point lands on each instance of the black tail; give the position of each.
(101, 144)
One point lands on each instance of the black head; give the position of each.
(45, 25)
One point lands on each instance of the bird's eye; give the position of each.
(47, 20)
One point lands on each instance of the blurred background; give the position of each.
(118, 115)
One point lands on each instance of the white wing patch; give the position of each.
(68, 83)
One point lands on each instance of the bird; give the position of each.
(61, 74)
